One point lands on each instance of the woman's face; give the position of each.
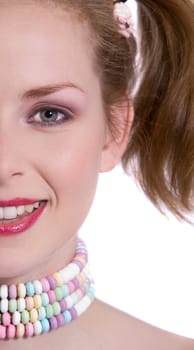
(53, 135)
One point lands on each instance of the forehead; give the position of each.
(44, 43)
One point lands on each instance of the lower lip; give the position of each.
(20, 226)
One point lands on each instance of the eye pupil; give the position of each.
(48, 115)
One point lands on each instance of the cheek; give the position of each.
(72, 168)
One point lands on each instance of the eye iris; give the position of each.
(49, 115)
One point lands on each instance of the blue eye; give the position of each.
(49, 117)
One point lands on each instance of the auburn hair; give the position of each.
(160, 151)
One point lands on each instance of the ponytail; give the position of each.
(161, 146)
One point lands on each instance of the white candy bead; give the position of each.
(16, 318)
(69, 272)
(37, 328)
(69, 302)
(82, 305)
(4, 291)
(4, 305)
(21, 304)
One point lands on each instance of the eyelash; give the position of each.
(67, 116)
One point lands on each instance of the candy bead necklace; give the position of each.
(38, 307)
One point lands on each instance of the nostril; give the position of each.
(17, 173)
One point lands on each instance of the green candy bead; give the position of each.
(12, 305)
(56, 308)
(49, 311)
(59, 293)
(25, 317)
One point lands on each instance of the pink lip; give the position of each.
(18, 226)
(17, 201)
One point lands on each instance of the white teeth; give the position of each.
(13, 212)
(29, 208)
(9, 212)
(20, 210)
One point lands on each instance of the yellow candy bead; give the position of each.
(33, 315)
(37, 301)
(58, 278)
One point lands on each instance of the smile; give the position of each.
(19, 218)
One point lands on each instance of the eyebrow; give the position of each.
(48, 90)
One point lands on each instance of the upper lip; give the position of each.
(18, 201)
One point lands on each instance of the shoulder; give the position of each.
(111, 329)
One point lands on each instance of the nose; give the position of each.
(10, 155)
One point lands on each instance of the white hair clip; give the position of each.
(123, 17)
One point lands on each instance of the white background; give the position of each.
(142, 262)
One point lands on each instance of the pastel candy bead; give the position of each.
(52, 296)
(52, 282)
(16, 318)
(29, 303)
(45, 326)
(21, 290)
(74, 298)
(53, 322)
(60, 320)
(73, 313)
(37, 328)
(30, 289)
(6, 319)
(65, 290)
(4, 305)
(69, 302)
(41, 313)
(45, 285)
(56, 308)
(29, 329)
(21, 304)
(2, 332)
(37, 287)
(63, 305)
(25, 317)
(49, 311)
(11, 331)
(12, 305)
(71, 287)
(20, 330)
(12, 291)
(58, 278)
(67, 316)
(33, 315)
(59, 293)
(45, 299)
(4, 291)
(37, 301)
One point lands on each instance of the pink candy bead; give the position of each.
(29, 329)
(45, 285)
(2, 332)
(71, 287)
(52, 296)
(11, 331)
(29, 303)
(6, 319)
